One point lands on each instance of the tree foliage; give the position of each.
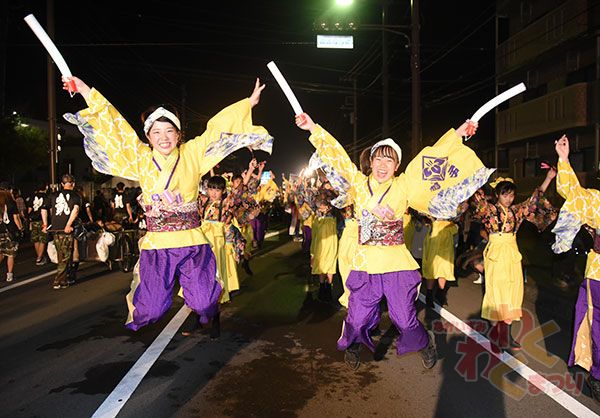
(23, 148)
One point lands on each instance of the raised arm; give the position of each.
(109, 141)
(330, 151)
(230, 130)
(567, 182)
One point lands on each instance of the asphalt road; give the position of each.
(63, 352)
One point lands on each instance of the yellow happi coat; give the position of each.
(582, 206)
(448, 166)
(118, 151)
(115, 149)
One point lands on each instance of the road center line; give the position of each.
(557, 394)
(31, 279)
(121, 394)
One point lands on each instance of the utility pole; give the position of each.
(415, 66)
(354, 122)
(3, 57)
(51, 84)
(385, 77)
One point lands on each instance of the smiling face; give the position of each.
(384, 163)
(163, 137)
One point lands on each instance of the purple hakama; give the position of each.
(400, 288)
(196, 269)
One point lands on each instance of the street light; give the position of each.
(343, 3)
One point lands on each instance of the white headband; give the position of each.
(390, 143)
(161, 111)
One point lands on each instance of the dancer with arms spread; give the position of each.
(169, 173)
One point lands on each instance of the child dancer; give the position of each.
(503, 296)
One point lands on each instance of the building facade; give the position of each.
(552, 46)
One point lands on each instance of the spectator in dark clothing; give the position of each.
(64, 208)
(11, 229)
(100, 207)
(35, 203)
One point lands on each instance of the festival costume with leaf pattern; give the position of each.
(174, 245)
(503, 296)
(265, 196)
(324, 244)
(582, 207)
(435, 182)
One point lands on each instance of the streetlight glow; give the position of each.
(343, 3)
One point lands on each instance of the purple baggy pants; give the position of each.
(366, 291)
(196, 269)
(581, 308)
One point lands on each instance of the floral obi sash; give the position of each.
(172, 218)
(596, 247)
(372, 231)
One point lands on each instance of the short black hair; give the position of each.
(120, 185)
(67, 178)
(237, 176)
(216, 182)
(505, 187)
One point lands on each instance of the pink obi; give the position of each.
(372, 231)
(172, 218)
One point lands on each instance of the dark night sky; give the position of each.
(139, 53)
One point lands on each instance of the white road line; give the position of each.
(24, 282)
(32, 279)
(558, 395)
(121, 394)
(273, 233)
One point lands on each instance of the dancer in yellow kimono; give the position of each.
(435, 182)
(582, 207)
(243, 190)
(324, 245)
(169, 173)
(503, 296)
(438, 260)
(267, 193)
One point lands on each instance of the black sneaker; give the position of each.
(594, 385)
(215, 328)
(328, 293)
(64, 286)
(429, 298)
(246, 267)
(429, 353)
(352, 356)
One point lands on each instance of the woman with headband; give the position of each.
(435, 182)
(582, 207)
(169, 172)
(503, 296)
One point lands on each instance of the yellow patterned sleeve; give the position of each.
(333, 154)
(581, 202)
(226, 132)
(566, 180)
(109, 140)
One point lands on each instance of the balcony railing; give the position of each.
(567, 21)
(562, 109)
